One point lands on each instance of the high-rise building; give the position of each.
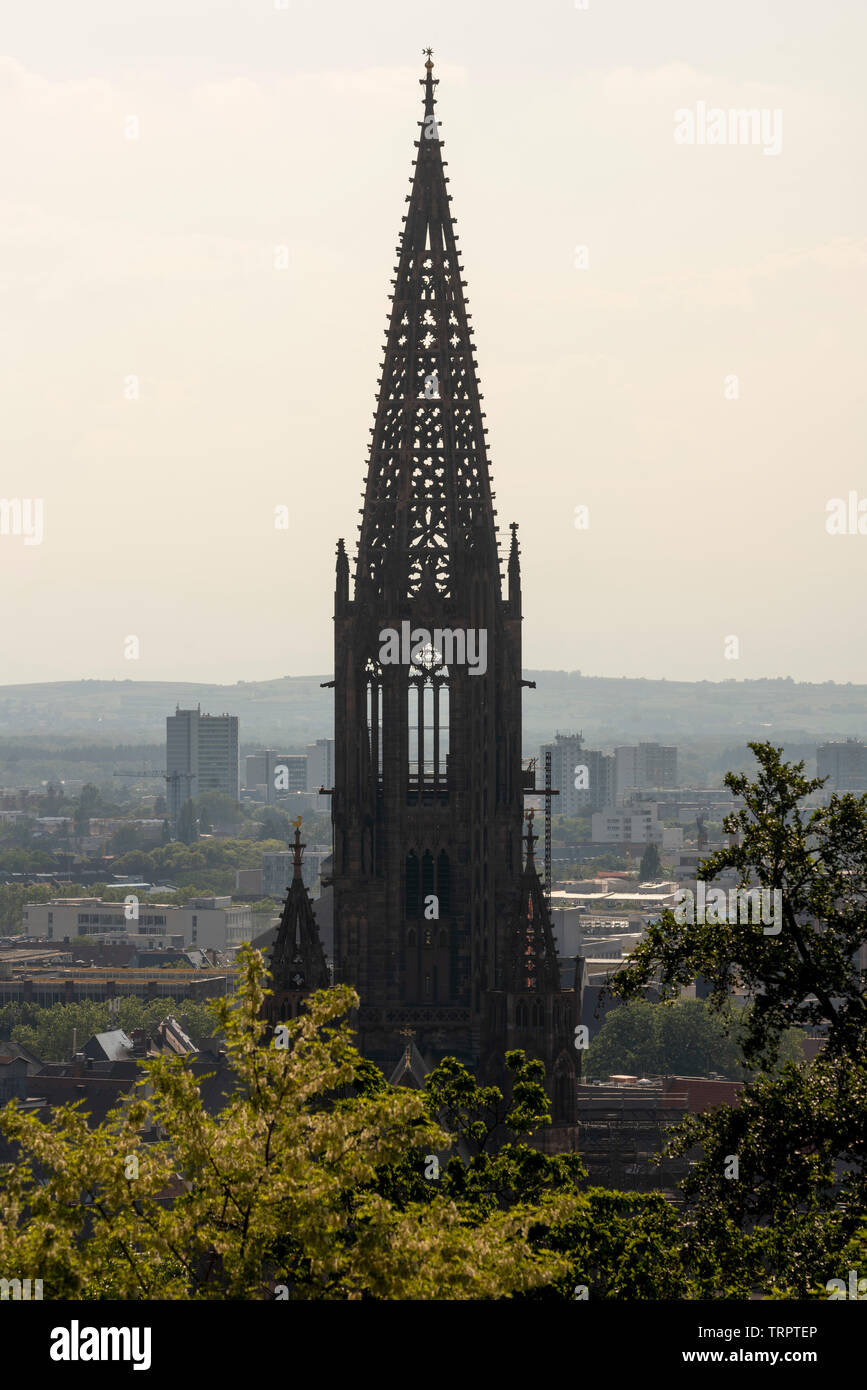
(274, 775)
(583, 777)
(437, 922)
(644, 765)
(202, 755)
(844, 763)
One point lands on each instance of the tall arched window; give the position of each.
(427, 877)
(428, 718)
(412, 884)
(444, 883)
(374, 716)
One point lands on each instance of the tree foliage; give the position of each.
(282, 1187)
(684, 1039)
(799, 1135)
(650, 867)
(188, 826)
(49, 1032)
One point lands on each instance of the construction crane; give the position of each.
(173, 778)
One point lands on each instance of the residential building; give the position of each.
(583, 776)
(630, 825)
(644, 765)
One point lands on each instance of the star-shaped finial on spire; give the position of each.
(428, 52)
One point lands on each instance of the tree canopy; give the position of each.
(800, 1193)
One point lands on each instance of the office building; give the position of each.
(202, 755)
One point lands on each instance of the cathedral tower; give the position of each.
(428, 795)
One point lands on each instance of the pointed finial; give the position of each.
(297, 848)
(429, 82)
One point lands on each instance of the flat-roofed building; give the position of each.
(211, 922)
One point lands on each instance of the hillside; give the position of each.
(293, 711)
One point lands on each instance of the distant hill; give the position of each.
(292, 711)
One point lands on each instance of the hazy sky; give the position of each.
(261, 127)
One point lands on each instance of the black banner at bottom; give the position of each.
(63, 1340)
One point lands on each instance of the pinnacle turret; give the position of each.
(297, 962)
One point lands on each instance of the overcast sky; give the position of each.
(156, 152)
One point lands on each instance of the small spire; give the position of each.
(297, 848)
(429, 83)
(342, 571)
(514, 564)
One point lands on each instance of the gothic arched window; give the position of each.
(427, 877)
(428, 716)
(412, 885)
(444, 883)
(373, 674)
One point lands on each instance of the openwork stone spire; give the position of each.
(428, 513)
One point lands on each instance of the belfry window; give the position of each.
(428, 717)
(427, 878)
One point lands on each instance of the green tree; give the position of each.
(684, 1039)
(619, 1245)
(805, 974)
(275, 826)
(89, 804)
(124, 839)
(219, 808)
(49, 1032)
(798, 1135)
(187, 829)
(280, 1187)
(53, 801)
(650, 867)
